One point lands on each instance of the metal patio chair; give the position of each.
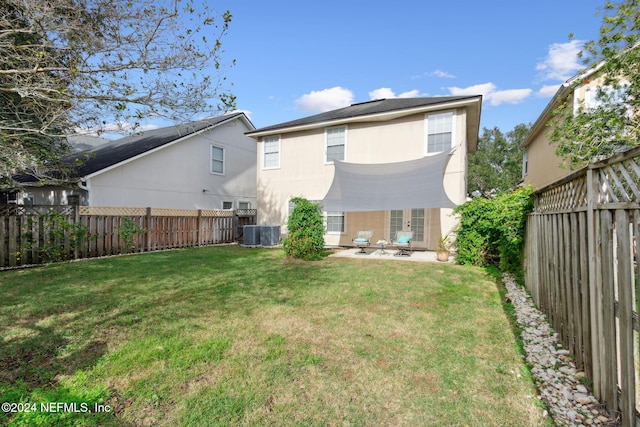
(402, 242)
(362, 240)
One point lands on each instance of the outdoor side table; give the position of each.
(382, 244)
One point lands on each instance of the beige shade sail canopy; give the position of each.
(387, 186)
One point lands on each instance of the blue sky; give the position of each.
(294, 59)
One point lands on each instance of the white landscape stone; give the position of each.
(568, 401)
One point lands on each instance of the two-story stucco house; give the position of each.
(541, 166)
(384, 165)
(207, 164)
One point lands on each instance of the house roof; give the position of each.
(380, 110)
(117, 151)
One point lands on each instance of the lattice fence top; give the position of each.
(569, 195)
(17, 210)
(125, 211)
(112, 211)
(615, 180)
(619, 182)
(246, 212)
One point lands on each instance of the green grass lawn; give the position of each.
(235, 336)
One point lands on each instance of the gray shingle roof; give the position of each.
(116, 151)
(365, 108)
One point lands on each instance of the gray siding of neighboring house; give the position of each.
(179, 176)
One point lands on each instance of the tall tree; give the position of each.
(611, 124)
(69, 64)
(496, 166)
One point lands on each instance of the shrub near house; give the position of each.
(306, 232)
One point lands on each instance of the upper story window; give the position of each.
(335, 144)
(271, 152)
(217, 160)
(439, 132)
(525, 162)
(603, 96)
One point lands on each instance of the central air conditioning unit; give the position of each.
(269, 235)
(251, 235)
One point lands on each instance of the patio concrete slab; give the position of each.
(374, 253)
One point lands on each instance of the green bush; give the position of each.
(306, 232)
(59, 237)
(492, 231)
(128, 230)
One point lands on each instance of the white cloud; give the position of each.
(483, 89)
(562, 61)
(325, 100)
(436, 73)
(442, 74)
(491, 95)
(387, 93)
(510, 96)
(547, 91)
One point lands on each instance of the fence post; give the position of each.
(147, 227)
(76, 222)
(199, 228)
(594, 296)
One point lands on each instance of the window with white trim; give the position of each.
(217, 160)
(334, 222)
(244, 205)
(227, 206)
(335, 144)
(439, 132)
(525, 162)
(271, 152)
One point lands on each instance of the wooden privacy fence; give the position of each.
(582, 271)
(36, 234)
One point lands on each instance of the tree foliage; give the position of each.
(491, 231)
(84, 64)
(496, 166)
(586, 134)
(305, 239)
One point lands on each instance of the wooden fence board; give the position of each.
(625, 317)
(584, 293)
(576, 306)
(609, 371)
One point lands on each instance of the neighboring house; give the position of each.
(382, 165)
(540, 164)
(207, 164)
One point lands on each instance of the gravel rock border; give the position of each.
(569, 402)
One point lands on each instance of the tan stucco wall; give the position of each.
(544, 165)
(303, 172)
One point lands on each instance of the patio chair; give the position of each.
(362, 240)
(402, 242)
